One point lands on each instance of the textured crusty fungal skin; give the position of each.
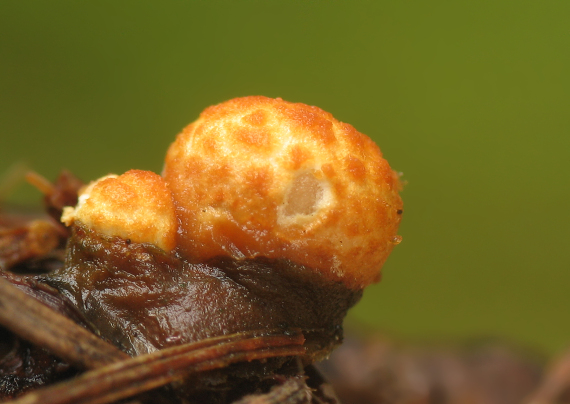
(254, 183)
(136, 206)
(261, 177)
(268, 215)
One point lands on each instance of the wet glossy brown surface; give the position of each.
(143, 299)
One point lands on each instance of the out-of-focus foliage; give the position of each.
(468, 99)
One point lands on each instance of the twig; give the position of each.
(145, 372)
(117, 375)
(40, 182)
(24, 316)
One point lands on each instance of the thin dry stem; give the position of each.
(25, 316)
(143, 373)
(40, 182)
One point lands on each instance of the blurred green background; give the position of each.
(469, 99)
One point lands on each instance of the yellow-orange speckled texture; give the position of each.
(256, 176)
(136, 205)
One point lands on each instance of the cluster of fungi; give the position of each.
(226, 277)
(222, 280)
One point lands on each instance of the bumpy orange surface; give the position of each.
(256, 176)
(136, 205)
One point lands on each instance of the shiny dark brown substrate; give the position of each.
(142, 299)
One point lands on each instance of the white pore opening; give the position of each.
(304, 198)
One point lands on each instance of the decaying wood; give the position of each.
(27, 237)
(118, 376)
(33, 239)
(145, 372)
(26, 316)
(63, 192)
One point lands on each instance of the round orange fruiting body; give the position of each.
(256, 176)
(136, 206)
